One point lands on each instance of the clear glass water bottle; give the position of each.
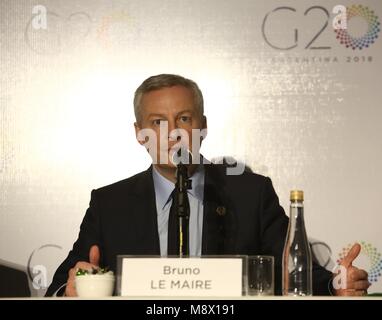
(297, 256)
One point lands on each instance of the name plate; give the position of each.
(214, 277)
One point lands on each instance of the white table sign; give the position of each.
(215, 277)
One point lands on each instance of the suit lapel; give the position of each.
(146, 215)
(218, 217)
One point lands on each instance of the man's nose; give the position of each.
(173, 133)
(171, 125)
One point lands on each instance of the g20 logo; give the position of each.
(339, 23)
(373, 28)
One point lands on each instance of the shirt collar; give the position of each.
(164, 187)
(198, 183)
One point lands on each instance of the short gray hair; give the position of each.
(165, 81)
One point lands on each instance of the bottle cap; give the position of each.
(297, 195)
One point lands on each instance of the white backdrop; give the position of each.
(281, 93)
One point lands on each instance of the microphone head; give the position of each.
(182, 156)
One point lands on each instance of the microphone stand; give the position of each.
(183, 183)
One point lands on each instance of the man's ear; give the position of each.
(204, 122)
(204, 128)
(137, 129)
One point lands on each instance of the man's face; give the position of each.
(174, 108)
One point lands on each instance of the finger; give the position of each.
(72, 274)
(355, 274)
(358, 293)
(94, 255)
(84, 265)
(352, 254)
(359, 285)
(354, 293)
(70, 290)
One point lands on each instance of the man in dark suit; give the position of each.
(230, 214)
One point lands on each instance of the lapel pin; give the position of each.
(221, 211)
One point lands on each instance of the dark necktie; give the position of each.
(172, 237)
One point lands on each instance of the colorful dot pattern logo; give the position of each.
(375, 259)
(372, 31)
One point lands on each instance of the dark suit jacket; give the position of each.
(122, 219)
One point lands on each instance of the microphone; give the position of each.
(181, 159)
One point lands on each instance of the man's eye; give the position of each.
(157, 122)
(185, 119)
